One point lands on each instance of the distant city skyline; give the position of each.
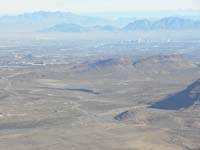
(85, 6)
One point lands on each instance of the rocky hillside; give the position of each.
(151, 64)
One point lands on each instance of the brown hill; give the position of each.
(151, 64)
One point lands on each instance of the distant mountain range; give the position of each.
(69, 22)
(170, 23)
(41, 20)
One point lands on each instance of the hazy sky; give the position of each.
(20, 6)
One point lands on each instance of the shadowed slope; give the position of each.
(183, 99)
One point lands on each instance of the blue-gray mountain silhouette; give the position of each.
(170, 23)
(38, 21)
(68, 28)
(41, 20)
(139, 25)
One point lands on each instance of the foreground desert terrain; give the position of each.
(110, 104)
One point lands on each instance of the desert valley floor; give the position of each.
(111, 104)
